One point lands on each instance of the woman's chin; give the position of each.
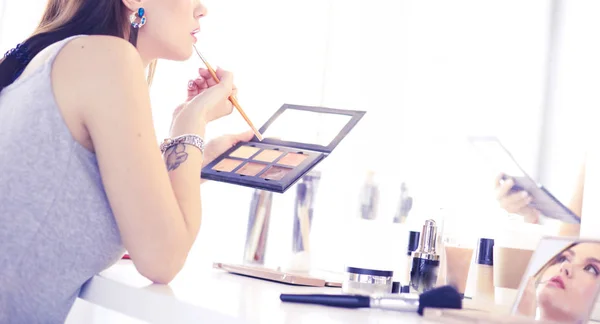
(182, 56)
(549, 296)
(182, 53)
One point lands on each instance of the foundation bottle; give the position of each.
(484, 285)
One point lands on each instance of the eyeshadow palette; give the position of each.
(295, 140)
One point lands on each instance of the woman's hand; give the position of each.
(221, 106)
(527, 304)
(207, 100)
(515, 202)
(219, 145)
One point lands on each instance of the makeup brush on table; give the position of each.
(442, 297)
(233, 100)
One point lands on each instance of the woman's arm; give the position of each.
(158, 212)
(576, 205)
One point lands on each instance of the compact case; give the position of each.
(287, 152)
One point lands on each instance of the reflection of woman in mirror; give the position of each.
(564, 289)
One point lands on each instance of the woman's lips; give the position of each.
(193, 33)
(557, 281)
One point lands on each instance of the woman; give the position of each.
(518, 202)
(81, 175)
(565, 289)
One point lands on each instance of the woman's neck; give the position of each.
(557, 317)
(145, 54)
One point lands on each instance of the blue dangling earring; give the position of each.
(138, 18)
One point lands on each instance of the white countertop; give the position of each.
(204, 295)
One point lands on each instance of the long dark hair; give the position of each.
(66, 18)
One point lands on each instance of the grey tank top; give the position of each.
(57, 229)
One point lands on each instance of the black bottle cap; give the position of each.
(396, 287)
(485, 252)
(413, 241)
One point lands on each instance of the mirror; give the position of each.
(496, 157)
(304, 126)
(561, 282)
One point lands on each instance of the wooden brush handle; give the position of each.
(234, 101)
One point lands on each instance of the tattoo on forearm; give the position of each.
(176, 155)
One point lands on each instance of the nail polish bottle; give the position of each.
(425, 261)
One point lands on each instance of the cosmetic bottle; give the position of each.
(303, 211)
(258, 227)
(369, 197)
(404, 205)
(425, 261)
(413, 245)
(442, 217)
(301, 259)
(484, 285)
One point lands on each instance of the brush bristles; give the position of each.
(442, 297)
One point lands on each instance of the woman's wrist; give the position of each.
(186, 123)
(187, 139)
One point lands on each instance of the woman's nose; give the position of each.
(199, 10)
(566, 268)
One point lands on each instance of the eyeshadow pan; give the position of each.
(292, 159)
(244, 152)
(275, 173)
(227, 165)
(267, 155)
(251, 169)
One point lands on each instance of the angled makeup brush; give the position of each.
(233, 100)
(443, 297)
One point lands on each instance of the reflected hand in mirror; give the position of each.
(565, 288)
(528, 304)
(515, 202)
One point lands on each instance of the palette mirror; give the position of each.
(296, 139)
(303, 126)
(562, 282)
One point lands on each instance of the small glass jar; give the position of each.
(359, 281)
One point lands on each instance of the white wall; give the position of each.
(574, 96)
(576, 99)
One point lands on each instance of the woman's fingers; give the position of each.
(515, 202)
(498, 181)
(195, 87)
(503, 188)
(206, 75)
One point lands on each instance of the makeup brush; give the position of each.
(233, 100)
(442, 297)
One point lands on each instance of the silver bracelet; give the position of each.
(190, 139)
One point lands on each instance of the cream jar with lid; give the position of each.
(360, 281)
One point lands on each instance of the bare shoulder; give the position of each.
(97, 71)
(98, 53)
(97, 59)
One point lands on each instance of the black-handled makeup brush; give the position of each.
(442, 297)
